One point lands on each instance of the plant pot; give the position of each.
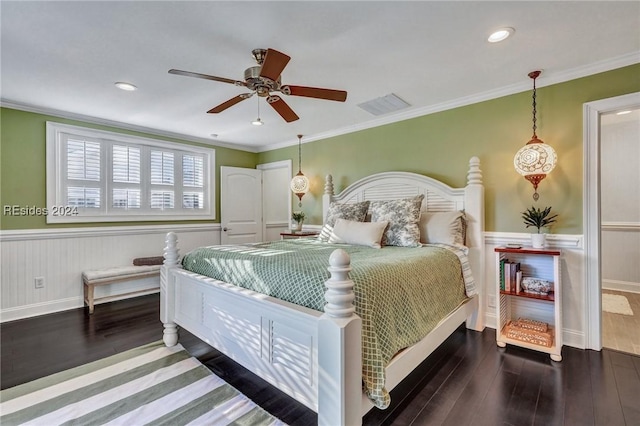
(296, 226)
(538, 240)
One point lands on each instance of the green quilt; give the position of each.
(401, 292)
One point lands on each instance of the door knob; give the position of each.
(225, 229)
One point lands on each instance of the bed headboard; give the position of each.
(438, 197)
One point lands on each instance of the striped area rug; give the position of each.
(151, 384)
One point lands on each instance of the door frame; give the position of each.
(591, 211)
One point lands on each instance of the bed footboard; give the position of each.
(276, 340)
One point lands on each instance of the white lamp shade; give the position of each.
(535, 158)
(300, 184)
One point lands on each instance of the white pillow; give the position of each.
(442, 228)
(358, 233)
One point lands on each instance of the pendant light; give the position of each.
(300, 183)
(536, 159)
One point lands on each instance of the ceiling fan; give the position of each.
(264, 79)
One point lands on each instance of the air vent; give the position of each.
(384, 105)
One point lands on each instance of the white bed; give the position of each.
(315, 357)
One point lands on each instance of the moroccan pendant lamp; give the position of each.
(300, 183)
(536, 159)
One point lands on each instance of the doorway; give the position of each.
(620, 229)
(592, 202)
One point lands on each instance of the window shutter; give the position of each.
(126, 164)
(161, 168)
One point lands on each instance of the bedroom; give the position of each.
(495, 127)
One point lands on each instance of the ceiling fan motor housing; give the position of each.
(261, 85)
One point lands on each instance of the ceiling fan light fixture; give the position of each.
(500, 34)
(257, 122)
(122, 85)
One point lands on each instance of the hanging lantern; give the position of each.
(300, 183)
(536, 159)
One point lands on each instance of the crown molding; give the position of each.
(5, 103)
(547, 79)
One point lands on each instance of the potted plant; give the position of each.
(297, 217)
(538, 218)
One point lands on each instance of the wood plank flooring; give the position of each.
(468, 380)
(622, 332)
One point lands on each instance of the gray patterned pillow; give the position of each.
(403, 216)
(352, 211)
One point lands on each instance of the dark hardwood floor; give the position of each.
(468, 380)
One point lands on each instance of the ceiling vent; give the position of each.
(384, 105)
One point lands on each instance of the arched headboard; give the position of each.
(439, 197)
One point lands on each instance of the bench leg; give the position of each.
(90, 297)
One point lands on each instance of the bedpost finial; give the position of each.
(339, 294)
(474, 176)
(328, 185)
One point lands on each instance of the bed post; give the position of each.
(327, 197)
(339, 349)
(167, 290)
(474, 211)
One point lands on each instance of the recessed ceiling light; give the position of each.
(501, 34)
(623, 112)
(125, 86)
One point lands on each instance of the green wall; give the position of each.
(23, 159)
(440, 145)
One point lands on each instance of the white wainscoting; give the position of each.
(620, 254)
(60, 255)
(573, 290)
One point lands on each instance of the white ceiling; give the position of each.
(65, 56)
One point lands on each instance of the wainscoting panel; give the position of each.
(620, 251)
(59, 256)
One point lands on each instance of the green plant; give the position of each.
(298, 216)
(538, 218)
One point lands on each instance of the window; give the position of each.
(107, 177)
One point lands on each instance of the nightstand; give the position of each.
(297, 234)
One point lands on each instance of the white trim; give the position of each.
(36, 309)
(621, 226)
(5, 103)
(56, 180)
(547, 80)
(618, 285)
(569, 241)
(47, 234)
(591, 211)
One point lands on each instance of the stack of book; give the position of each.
(530, 331)
(510, 276)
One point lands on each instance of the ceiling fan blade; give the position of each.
(231, 102)
(207, 77)
(274, 63)
(282, 108)
(315, 92)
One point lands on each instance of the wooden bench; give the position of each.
(99, 277)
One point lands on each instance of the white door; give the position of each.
(240, 205)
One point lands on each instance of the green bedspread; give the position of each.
(401, 293)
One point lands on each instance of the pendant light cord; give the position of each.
(299, 153)
(534, 75)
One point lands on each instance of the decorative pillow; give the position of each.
(403, 216)
(443, 228)
(354, 211)
(358, 233)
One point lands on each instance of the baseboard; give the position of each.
(27, 311)
(627, 286)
